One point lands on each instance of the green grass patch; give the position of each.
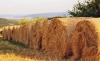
(5, 48)
(16, 43)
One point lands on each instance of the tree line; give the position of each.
(90, 8)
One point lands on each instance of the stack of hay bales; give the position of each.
(61, 36)
(86, 39)
(58, 35)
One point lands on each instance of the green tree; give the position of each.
(90, 8)
(23, 21)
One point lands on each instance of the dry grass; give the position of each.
(13, 57)
(14, 51)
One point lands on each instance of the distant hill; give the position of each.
(46, 15)
(6, 22)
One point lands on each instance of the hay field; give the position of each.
(63, 38)
(14, 51)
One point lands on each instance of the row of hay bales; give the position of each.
(76, 37)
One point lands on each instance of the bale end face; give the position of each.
(84, 36)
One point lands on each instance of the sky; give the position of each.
(35, 6)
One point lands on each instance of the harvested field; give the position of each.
(74, 38)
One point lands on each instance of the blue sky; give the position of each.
(35, 6)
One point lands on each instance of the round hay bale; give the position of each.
(32, 32)
(27, 29)
(5, 32)
(9, 31)
(44, 34)
(29, 33)
(17, 33)
(20, 34)
(13, 33)
(58, 35)
(85, 40)
(37, 35)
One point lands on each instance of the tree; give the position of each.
(90, 8)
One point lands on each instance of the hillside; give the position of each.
(6, 22)
(49, 15)
(46, 15)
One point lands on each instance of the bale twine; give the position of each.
(85, 40)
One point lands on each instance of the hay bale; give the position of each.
(26, 34)
(89, 53)
(32, 31)
(17, 34)
(29, 33)
(13, 33)
(23, 34)
(20, 34)
(10, 32)
(58, 35)
(5, 32)
(85, 40)
(37, 35)
(44, 34)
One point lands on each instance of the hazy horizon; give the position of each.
(25, 7)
